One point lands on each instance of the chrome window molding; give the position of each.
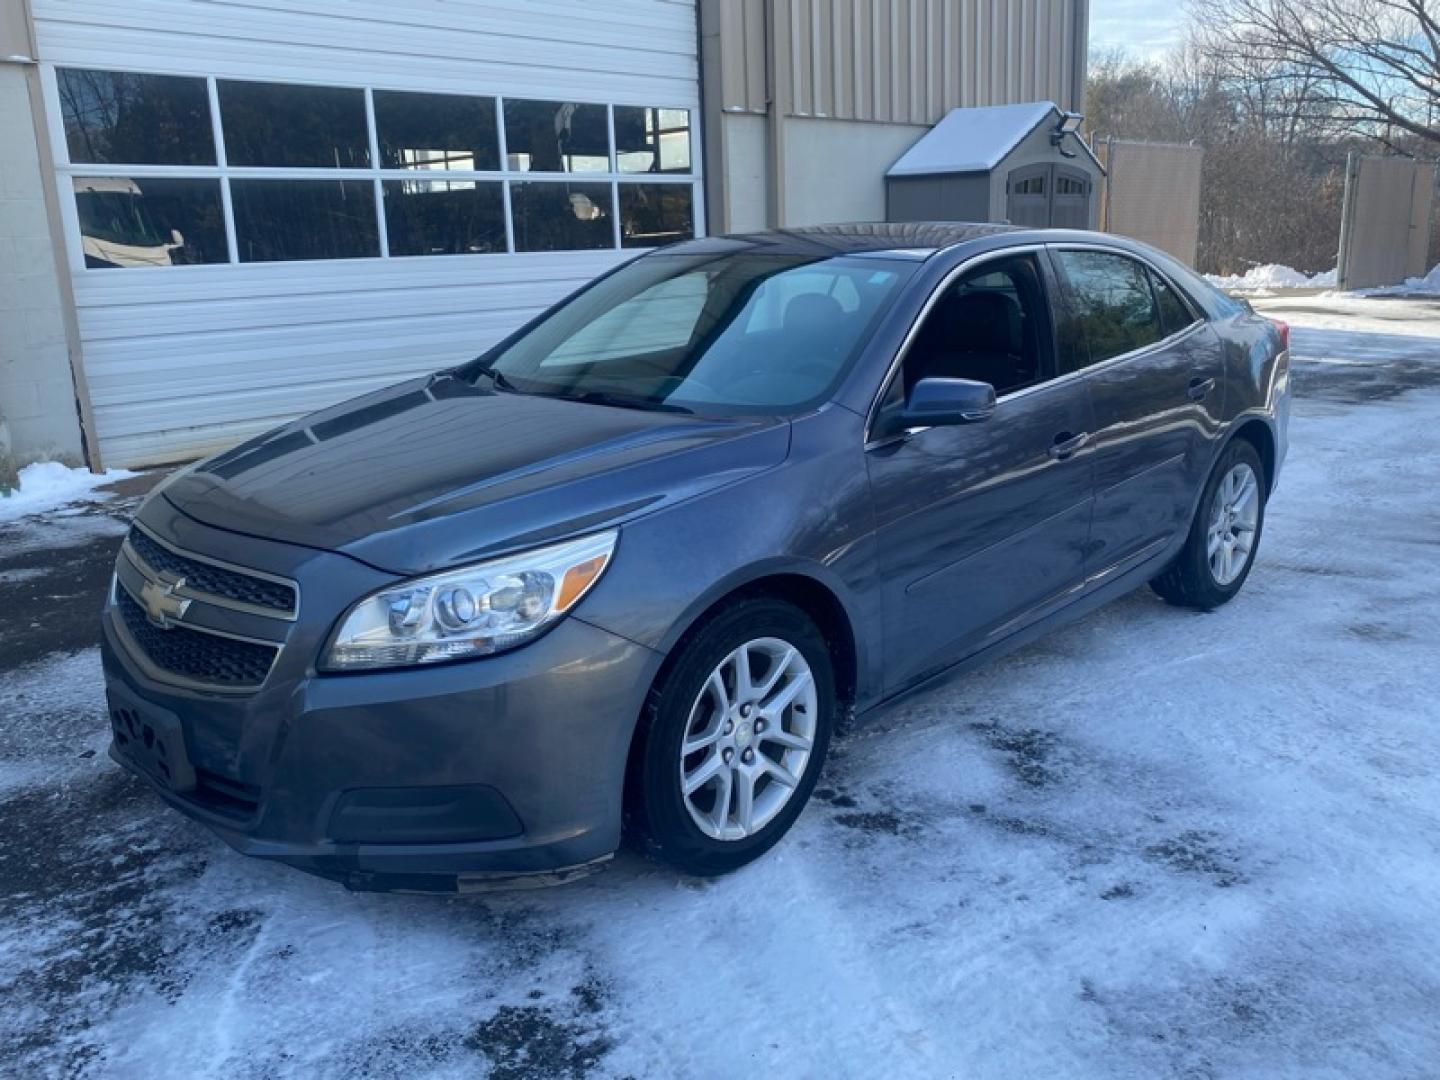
(930, 301)
(171, 678)
(211, 598)
(1058, 380)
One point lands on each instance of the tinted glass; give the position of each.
(557, 136)
(992, 326)
(740, 333)
(149, 222)
(444, 217)
(1113, 311)
(652, 140)
(1035, 185)
(551, 216)
(436, 131)
(284, 124)
(1174, 315)
(1066, 185)
(116, 118)
(654, 214)
(304, 219)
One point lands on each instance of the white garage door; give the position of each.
(272, 205)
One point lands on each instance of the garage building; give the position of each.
(216, 215)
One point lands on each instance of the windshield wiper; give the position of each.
(622, 401)
(499, 378)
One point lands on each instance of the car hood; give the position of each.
(436, 472)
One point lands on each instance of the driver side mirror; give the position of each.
(947, 402)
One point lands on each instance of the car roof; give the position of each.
(914, 239)
(910, 239)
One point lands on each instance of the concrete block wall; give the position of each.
(38, 417)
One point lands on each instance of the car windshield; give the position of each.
(712, 334)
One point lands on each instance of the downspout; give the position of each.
(778, 81)
(1079, 65)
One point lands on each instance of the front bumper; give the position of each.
(433, 779)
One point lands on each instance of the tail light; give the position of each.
(1284, 329)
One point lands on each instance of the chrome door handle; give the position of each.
(1065, 445)
(1198, 388)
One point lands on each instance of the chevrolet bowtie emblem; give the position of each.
(161, 604)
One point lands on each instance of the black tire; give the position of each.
(1189, 581)
(657, 815)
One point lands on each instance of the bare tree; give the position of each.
(1360, 67)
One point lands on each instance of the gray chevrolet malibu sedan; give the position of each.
(623, 572)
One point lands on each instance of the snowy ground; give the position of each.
(1155, 844)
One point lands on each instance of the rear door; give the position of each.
(982, 527)
(1155, 371)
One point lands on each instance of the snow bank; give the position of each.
(1429, 285)
(1271, 276)
(47, 485)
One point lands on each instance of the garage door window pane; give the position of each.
(116, 118)
(279, 124)
(278, 220)
(1114, 312)
(436, 131)
(654, 214)
(444, 217)
(561, 217)
(149, 222)
(652, 140)
(556, 136)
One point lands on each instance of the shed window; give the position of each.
(1034, 185)
(1069, 185)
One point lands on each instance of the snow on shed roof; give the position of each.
(973, 140)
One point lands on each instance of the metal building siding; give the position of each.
(190, 359)
(902, 61)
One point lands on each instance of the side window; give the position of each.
(1112, 310)
(1174, 314)
(992, 326)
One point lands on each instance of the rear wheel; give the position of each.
(1224, 536)
(733, 738)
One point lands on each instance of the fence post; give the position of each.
(1109, 182)
(1347, 213)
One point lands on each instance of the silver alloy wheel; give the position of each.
(1234, 517)
(748, 739)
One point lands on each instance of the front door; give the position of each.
(1155, 371)
(983, 527)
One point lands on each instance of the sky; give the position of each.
(1145, 28)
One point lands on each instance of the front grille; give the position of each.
(205, 658)
(204, 577)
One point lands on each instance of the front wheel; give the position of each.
(733, 738)
(1224, 536)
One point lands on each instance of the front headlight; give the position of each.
(479, 610)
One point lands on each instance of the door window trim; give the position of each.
(1056, 274)
(1144, 350)
(955, 272)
